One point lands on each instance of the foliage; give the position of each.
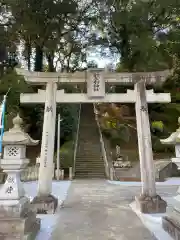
(117, 136)
(69, 114)
(132, 29)
(157, 125)
(158, 147)
(56, 30)
(13, 85)
(33, 115)
(66, 154)
(112, 126)
(59, 35)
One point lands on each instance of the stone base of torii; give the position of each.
(149, 201)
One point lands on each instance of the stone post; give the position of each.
(171, 222)
(17, 218)
(70, 173)
(148, 201)
(44, 202)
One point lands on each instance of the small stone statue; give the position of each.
(118, 151)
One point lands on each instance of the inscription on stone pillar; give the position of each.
(49, 109)
(9, 189)
(10, 180)
(46, 150)
(143, 109)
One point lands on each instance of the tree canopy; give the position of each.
(60, 35)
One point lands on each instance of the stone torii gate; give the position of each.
(96, 80)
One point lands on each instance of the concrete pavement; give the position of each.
(98, 210)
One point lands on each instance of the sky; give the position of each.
(93, 55)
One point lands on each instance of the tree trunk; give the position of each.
(28, 48)
(39, 59)
(50, 58)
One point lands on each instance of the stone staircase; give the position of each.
(89, 160)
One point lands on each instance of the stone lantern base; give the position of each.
(147, 204)
(171, 222)
(18, 220)
(171, 227)
(45, 204)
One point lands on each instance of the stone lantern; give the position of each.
(174, 139)
(171, 222)
(17, 219)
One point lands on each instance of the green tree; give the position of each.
(131, 29)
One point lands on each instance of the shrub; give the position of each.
(66, 155)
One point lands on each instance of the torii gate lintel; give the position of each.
(62, 97)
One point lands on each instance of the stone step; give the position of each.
(90, 124)
(89, 150)
(92, 166)
(90, 156)
(89, 163)
(98, 168)
(93, 140)
(90, 176)
(88, 168)
(96, 157)
(89, 173)
(90, 131)
(89, 159)
(80, 148)
(84, 140)
(89, 145)
(94, 171)
(80, 164)
(84, 152)
(85, 147)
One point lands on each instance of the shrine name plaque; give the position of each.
(96, 83)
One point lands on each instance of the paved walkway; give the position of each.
(98, 210)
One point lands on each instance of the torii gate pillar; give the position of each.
(44, 202)
(148, 201)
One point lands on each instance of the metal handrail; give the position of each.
(102, 145)
(76, 141)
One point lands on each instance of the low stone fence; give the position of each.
(31, 173)
(165, 168)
